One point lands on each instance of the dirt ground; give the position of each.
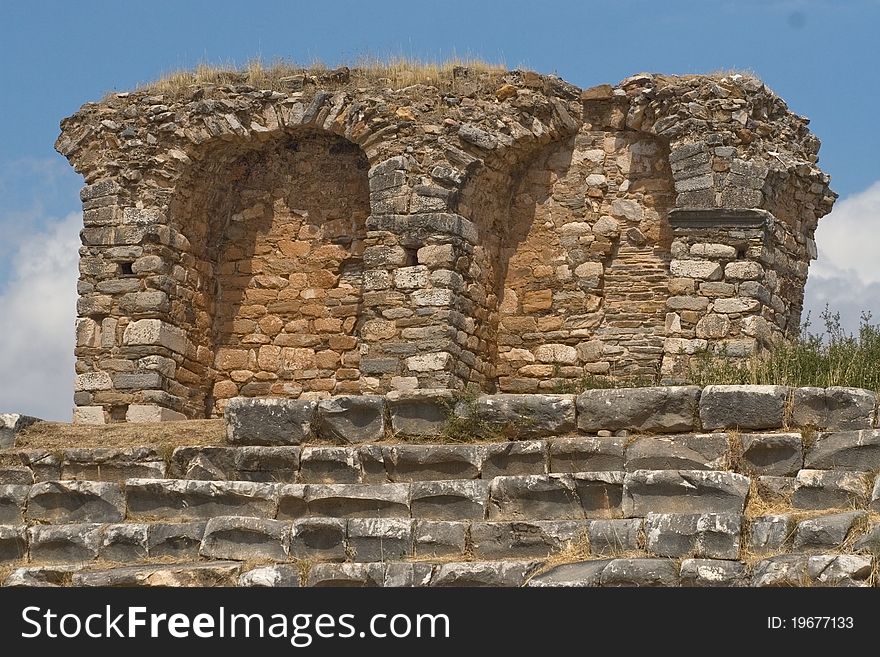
(59, 435)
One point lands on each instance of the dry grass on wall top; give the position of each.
(396, 73)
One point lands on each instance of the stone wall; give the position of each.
(513, 232)
(661, 486)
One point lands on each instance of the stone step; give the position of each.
(660, 475)
(248, 538)
(670, 409)
(841, 570)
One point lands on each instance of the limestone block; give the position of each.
(75, 501)
(586, 454)
(346, 574)
(742, 407)
(449, 500)
(684, 452)
(527, 497)
(380, 539)
(828, 489)
(359, 500)
(521, 416)
(214, 573)
(484, 573)
(67, 543)
(661, 409)
(320, 539)
(439, 538)
(710, 535)
(778, 454)
(513, 458)
(405, 463)
(268, 421)
(845, 450)
(272, 576)
(834, 408)
(155, 332)
(179, 499)
(825, 532)
(712, 572)
(683, 491)
(246, 539)
(11, 424)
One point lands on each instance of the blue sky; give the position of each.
(819, 55)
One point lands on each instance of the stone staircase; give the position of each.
(556, 503)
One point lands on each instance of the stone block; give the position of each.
(520, 540)
(661, 409)
(329, 465)
(214, 573)
(776, 454)
(835, 408)
(246, 539)
(521, 416)
(825, 532)
(640, 572)
(712, 572)
(359, 500)
(529, 497)
(586, 454)
(770, 534)
(346, 575)
(742, 407)
(351, 418)
(579, 574)
(845, 450)
(709, 536)
(514, 458)
(379, 539)
(179, 499)
(419, 413)
(843, 570)
(268, 421)
(13, 499)
(484, 573)
(11, 424)
(68, 543)
(600, 493)
(426, 462)
(320, 539)
(75, 501)
(112, 463)
(439, 538)
(179, 541)
(124, 542)
(683, 491)
(684, 452)
(612, 537)
(449, 500)
(13, 543)
(277, 575)
(828, 489)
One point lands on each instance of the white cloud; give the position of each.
(846, 274)
(37, 311)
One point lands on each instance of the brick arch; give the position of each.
(272, 266)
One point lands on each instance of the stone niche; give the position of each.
(508, 231)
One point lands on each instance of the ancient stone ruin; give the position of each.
(509, 231)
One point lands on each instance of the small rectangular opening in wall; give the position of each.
(412, 256)
(118, 413)
(126, 269)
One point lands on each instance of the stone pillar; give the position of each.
(720, 287)
(128, 350)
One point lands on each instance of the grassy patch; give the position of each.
(395, 72)
(832, 357)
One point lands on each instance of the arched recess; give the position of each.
(575, 258)
(273, 266)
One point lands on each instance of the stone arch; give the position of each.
(272, 262)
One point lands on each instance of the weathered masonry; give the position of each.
(514, 232)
